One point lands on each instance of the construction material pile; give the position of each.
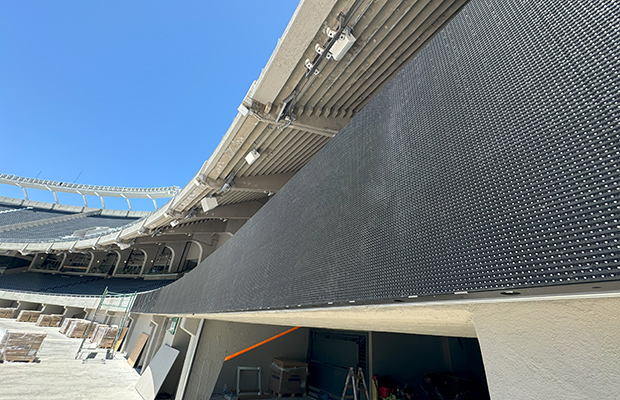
(93, 330)
(28, 316)
(7, 312)
(19, 346)
(49, 320)
(105, 336)
(77, 328)
(65, 325)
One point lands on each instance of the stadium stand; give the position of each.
(10, 215)
(75, 285)
(63, 230)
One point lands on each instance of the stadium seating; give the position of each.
(59, 230)
(10, 215)
(75, 285)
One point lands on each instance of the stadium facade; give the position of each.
(420, 187)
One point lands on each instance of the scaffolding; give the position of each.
(120, 303)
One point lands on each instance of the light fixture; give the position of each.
(208, 203)
(252, 156)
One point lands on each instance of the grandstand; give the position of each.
(74, 285)
(415, 188)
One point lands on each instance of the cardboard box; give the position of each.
(288, 376)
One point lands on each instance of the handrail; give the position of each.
(64, 294)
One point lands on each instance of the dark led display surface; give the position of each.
(490, 161)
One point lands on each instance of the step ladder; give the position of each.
(353, 381)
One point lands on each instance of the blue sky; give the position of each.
(135, 93)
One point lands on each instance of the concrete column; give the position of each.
(552, 349)
(97, 258)
(140, 323)
(122, 260)
(150, 252)
(177, 249)
(158, 326)
(193, 327)
(35, 259)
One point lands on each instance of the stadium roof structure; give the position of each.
(331, 60)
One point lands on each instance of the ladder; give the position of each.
(121, 302)
(353, 381)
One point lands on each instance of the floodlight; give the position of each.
(252, 156)
(208, 203)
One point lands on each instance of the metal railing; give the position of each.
(91, 190)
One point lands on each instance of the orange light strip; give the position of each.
(261, 343)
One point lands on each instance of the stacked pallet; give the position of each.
(105, 336)
(65, 325)
(77, 328)
(28, 316)
(7, 312)
(20, 346)
(49, 320)
(93, 330)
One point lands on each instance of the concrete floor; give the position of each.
(297, 397)
(59, 376)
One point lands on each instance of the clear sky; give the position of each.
(132, 93)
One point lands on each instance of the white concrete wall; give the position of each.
(7, 303)
(141, 323)
(71, 312)
(218, 340)
(293, 346)
(27, 305)
(564, 349)
(52, 309)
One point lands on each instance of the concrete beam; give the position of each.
(233, 211)
(325, 126)
(261, 183)
(420, 319)
(298, 35)
(218, 340)
(307, 119)
(207, 226)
